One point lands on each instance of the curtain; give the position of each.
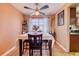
(41, 22)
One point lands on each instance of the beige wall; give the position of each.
(62, 32)
(51, 23)
(10, 26)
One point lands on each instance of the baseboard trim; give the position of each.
(62, 47)
(7, 52)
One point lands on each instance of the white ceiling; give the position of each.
(53, 7)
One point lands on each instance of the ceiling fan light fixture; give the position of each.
(37, 13)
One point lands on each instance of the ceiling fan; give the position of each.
(37, 10)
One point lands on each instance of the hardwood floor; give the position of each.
(56, 51)
(45, 52)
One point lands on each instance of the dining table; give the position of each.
(46, 37)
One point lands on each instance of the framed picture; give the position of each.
(61, 18)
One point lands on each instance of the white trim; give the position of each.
(10, 50)
(7, 52)
(62, 47)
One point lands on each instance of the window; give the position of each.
(42, 23)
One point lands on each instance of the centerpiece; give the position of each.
(35, 28)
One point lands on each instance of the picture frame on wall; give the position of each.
(61, 18)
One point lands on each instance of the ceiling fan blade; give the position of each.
(28, 7)
(42, 13)
(44, 7)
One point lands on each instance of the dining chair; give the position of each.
(25, 45)
(35, 43)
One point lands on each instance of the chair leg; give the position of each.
(32, 52)
(29, 52)
(23, 48)
(20, 47)
(50, 47)
(45, 45)
(41, 52)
